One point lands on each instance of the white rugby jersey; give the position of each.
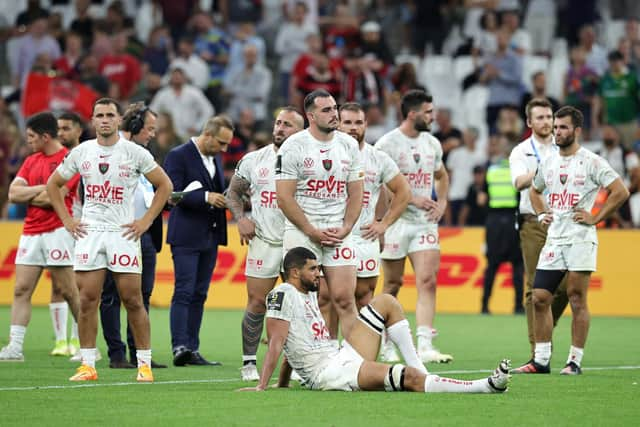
(258, 168)
(322, 170)
(110, 177)
(378, 170)
(308, 346)
(418, 159)
(572, 182)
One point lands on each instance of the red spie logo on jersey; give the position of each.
(105, 193)
(326, 188)
(564, 200)
(419, 179)
(268, 199)
(125, 260)
(320, 331)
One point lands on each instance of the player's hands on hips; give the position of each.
(135, 229)
(75, 228)
(434, 210)
(373, 231)
(583, 217)
(247, 230)
(216, 199)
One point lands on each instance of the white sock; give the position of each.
(249, 359)
(436, 384)
(425, 334)
(16, 336)
(88, 356)
(74, 329)
(575, 355)
(144, 357)
(542, 353)
(400, 334)
(59, 312)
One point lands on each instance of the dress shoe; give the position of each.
(198, 360)
(121, 364)
(181, 355)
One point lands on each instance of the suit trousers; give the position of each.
(193, 269)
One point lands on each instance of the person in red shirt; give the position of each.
(44, 243)
(121, 68)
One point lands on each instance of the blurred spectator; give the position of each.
(625, 162)
(474, 210)
(121, 68)
(212, 44)
(376, 123)
(166, 137)
(509, 123)
(404, 78)
(539, 90)
(430, 25)
(158, 52)
(186, 104)
(83, 22)
(67, 64)
(580, 85)
(56, 29)
(90, 76)
(617, 100)
(196, 68)
(148, 16)
(624, 9)
(236, 12)
(35, 42)
(116, 17)
(32, 13)
(245, 34)
(374, 47)
(291, 42)
(540, 22)
(248, 87)
(460, 164)
(341, 32)
(502, 74)
(485, 41)
(242, 137)
(9, 138)
(319, 74)
(450, 136)
(176, 15)
(311, 18)
(596, 55)
(147, 89)
(520, 40)
(574, 15)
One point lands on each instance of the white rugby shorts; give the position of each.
(403, 238)
(107, 249)
(367, 257)
(52, 249)
(328, 256)
(341, 373)
(571, 257)
(264, 260)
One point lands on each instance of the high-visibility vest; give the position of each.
(502, 193)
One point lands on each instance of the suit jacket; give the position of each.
(194, 223)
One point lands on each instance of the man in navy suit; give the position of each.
(197, 225)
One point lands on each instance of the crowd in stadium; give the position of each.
(481, 60)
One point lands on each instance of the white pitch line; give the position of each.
(227, 380)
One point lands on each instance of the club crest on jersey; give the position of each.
(103, 167)
(563, 178)
(416, 157)
(326, 163)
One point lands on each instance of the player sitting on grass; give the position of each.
(294, 323)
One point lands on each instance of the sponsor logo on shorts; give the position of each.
(367, 265)
(255, 264)
(343, 253)
(124, 260)
(82, 259)
(59, 255)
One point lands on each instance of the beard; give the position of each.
(310, 285)
(278, 140)
(565, 142)
(422, 126)
(357, 136)
(328, 128)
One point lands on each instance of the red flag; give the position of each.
(43, 93)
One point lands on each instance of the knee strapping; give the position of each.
(394, 380)
(372, 319)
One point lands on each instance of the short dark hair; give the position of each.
(310, 99)
(106, 101)
(72, 117)
(42, 123)
(577, 119)
(537, 102)
(351, 106)
(615, 55)
(296, 258)
(412, 100)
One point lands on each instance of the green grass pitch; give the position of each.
(37, 392)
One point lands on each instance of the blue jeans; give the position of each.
(110, 303)
(193, 269)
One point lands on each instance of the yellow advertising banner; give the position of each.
(613, 290)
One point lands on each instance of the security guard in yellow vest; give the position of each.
(502, 238)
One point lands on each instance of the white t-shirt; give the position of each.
(524, 158)
(322, 170)
(308, 346)
(572, 182)
(258, 168)
(110, 178)
(378, 170)
(418, 159)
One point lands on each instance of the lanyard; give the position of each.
(535, 150)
